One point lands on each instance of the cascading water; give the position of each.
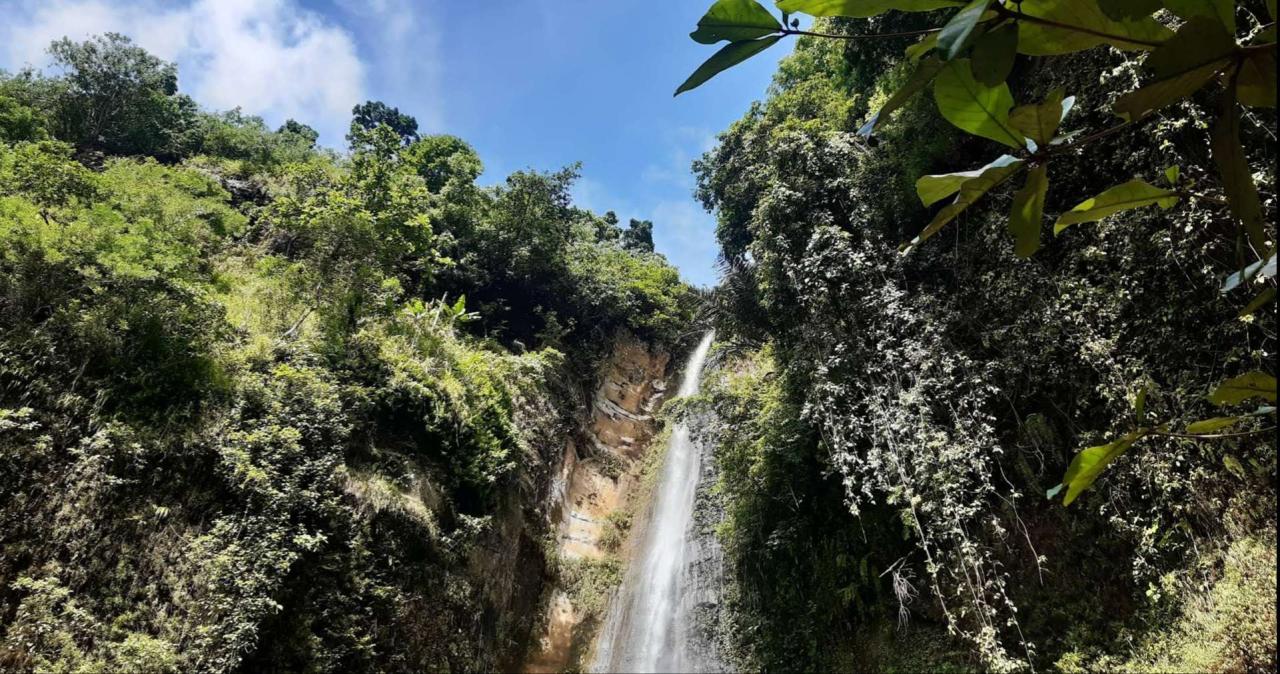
(650, 626)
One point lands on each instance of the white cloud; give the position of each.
(270, 57)
(683, 145)
(406, 45)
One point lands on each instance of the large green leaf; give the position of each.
(920, 78)
(935, 188)
(1091, 27)
(1040, 122)
(1239, 389)
(1028, 211)
(1210, 425)
(975, 107)
(1183, 65)
(735, 20)
(923, 46)
(1197, 43)
(1219, 423)
(1237, 179)
(1138, 104)
(861, 9)
(955, 34)
(730, 55)
(1089, 464)
(1221, 11)
(994, 53)
(1256, 83)
(1136, 193)
(972, 187)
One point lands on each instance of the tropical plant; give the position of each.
(1190, 47)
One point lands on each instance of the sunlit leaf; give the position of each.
(1136, 193)
(1233, 168)
(955, 34)
(1214, 424)
(920, 78)
(935, 188)
(1039, 122)
(975, 107)
(1239, 389)
(861, 9)
(1182, 66)
(1221, 11)
(1089, 464)
(1171, 175)
(1045, 40)
(735, 20)
(922, 47)
(730, 55)
(1140, 405)
(971, 189)
(994, 54)
(1027, 213)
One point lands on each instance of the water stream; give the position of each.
(650, 627)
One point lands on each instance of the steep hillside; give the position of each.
(266, 407)
(893, 425)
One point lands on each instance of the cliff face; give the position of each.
(594, 494)
(397, 567)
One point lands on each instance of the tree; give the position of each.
(19, 122)
(302, 131)
(120, 99)
(638, 237)
(442, 158)
(370, 114)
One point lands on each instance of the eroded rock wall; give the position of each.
(599, 476)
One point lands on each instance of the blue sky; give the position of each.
(530, 83)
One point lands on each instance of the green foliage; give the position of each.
(261, 410)
(949, 390)
(236, 136)
(734, 21)
(19, 122)
(117, 98)
(972, 94)
(730, 55)
(443, 160)
(1136, 193)
(370, 115)
(1245, 387)
(974, 107)
(796, 568)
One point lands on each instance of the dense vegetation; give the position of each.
(892, 426)
(268, 407)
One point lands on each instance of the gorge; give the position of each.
(984, 380)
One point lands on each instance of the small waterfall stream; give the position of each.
(650, 626)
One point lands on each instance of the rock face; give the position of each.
(598, 476)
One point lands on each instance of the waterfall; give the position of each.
(650, 627)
